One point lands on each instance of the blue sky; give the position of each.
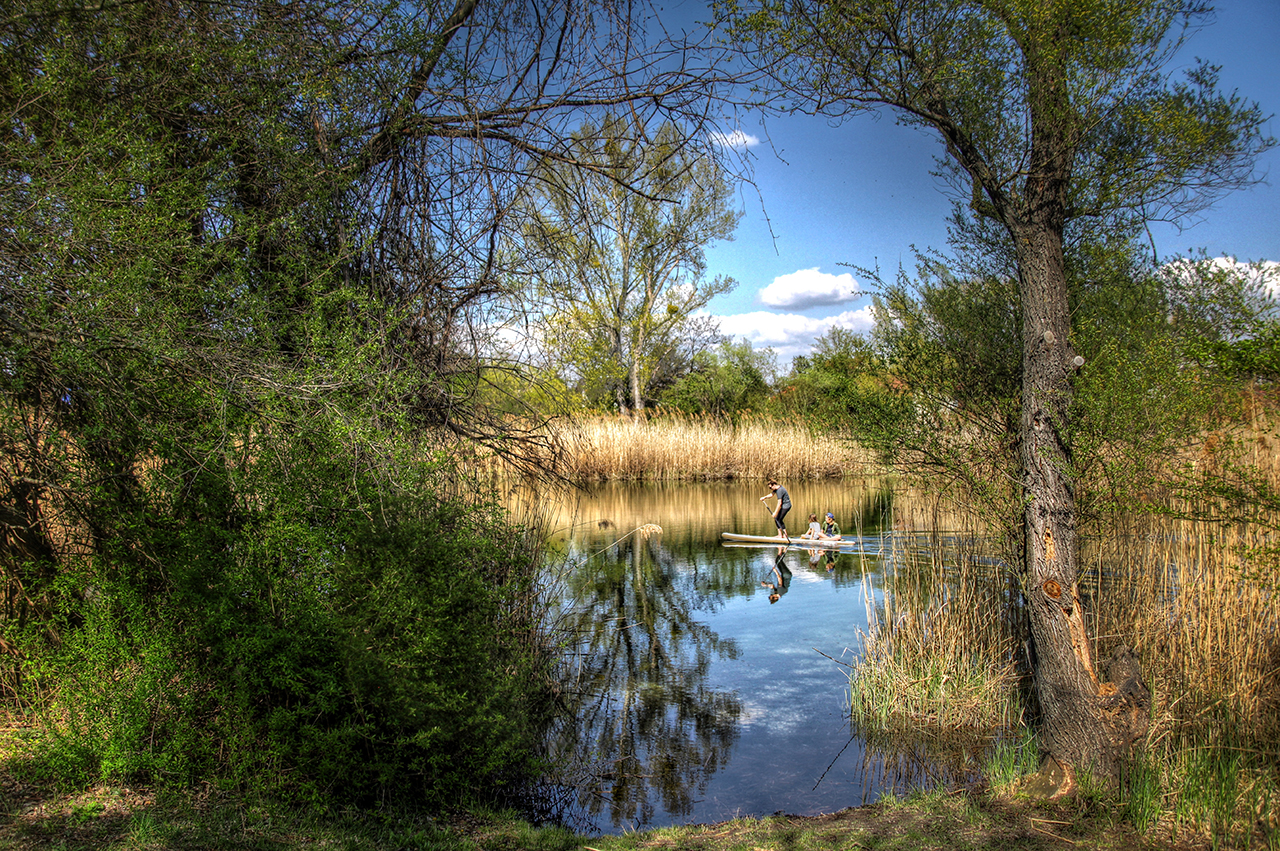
(861, 195)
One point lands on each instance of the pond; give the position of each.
(699, 693)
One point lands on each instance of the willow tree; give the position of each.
(1057, 116)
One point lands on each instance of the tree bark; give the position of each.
(1073, 729)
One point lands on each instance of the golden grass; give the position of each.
(702, 448)
(1206, 624)
(1195, 589)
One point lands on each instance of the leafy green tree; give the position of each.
(1229, 308)
(619, 255)
(1059, 118)
(724, 381)
(841, 382)
(949, 353)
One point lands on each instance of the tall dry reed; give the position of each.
(702, 448)
(1191, 598)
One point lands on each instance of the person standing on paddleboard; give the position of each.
(780, 510)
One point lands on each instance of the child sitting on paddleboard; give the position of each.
(828, 531)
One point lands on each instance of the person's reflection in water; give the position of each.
(781, 577)
(831, 560)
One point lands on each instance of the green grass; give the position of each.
(38, 815)
(1141, 791)
(892, 688)
(117, 819)
(1013, 756)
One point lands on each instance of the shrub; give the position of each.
(348, 660)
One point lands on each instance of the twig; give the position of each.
(832, 658)
(1054, 835)
(646, 530)
(833, 759)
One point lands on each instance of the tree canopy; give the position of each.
(616, 256)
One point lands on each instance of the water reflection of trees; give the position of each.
(643, 730)
(647, 726)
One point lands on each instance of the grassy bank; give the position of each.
(120, 818)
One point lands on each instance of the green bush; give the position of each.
(352, 660)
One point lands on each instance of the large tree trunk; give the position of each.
(1073, 729)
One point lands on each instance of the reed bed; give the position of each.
(940, 651)
(1196, 598)
(1189, 596)
(675, 447)
(899, 682)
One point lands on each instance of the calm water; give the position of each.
(698, 698)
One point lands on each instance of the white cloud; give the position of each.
(790, 334)
(736, 139)
(809, 288)
(1263, 275)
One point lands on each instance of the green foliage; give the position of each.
(350, 657)
(521, 392)
(845, 384)
(1012, 757)
(956, 343)
(1210, 787)
(1228, 312)
(616, 253)
(228, 551)
(1150, 387)
(724, 381)
(1257, 356)
(935, 389)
